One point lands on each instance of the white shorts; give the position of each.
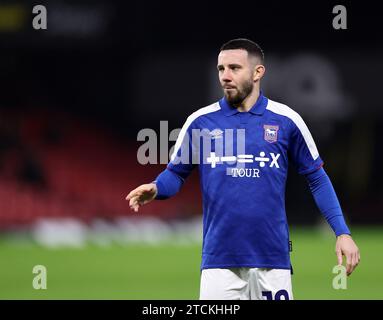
(246, 284)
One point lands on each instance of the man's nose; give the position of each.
(226, 76)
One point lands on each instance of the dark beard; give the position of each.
(241, 95)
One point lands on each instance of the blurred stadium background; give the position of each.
(74, 97)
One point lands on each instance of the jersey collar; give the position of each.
(258, 108)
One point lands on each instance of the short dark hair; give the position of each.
(241, 43)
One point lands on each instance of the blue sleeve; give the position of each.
(168, 184)
(327, 201)
(181, 164)
(302, 149)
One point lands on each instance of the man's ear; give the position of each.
(259, 71)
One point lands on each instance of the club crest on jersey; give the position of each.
(271, 133)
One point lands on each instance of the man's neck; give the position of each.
(248, 102)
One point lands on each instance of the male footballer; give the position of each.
(242, 145)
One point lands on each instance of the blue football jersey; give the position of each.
(243, 160)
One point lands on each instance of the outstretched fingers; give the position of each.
(349, 263)
(355, 261)
(134, 193)
(339, 256)
(135, 203)
(140, 196)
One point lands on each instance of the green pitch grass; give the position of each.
(172, 271)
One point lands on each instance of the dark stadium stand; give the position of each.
(74, 168)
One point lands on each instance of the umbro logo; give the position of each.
(216, 134)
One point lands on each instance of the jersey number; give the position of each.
(278, 295)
